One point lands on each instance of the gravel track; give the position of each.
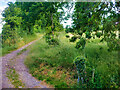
(18, 64)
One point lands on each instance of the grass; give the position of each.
(23, 41)
(54, 64)
(21, 51)
(14, 78)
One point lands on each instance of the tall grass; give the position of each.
(60, 55)
(20, 42)
(44, 58)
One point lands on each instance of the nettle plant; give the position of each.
(86, 74)
(80, 66)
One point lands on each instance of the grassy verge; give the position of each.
(54, 64)
(21, 51)
(14, 78)
(12, 75)
(23, 41)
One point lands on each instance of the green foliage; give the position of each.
(96, 67)
(66, 30)
(51, 41)
(14, 78)
(73, 39)
(69, 30)
(99, 69)
(91, 17)
(82, 14)
(6, 48)
(81, 43)
(21, 51)
(30, 18)
(67, 36)
(88, 34)
(80, 32)
(97, 72)
(101, 66)
(113, 45)
(62, 55)
(80, 65)
(98, 34)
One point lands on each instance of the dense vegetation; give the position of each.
(91, 20)
(86, 58)
(24, 20)
(55, 65)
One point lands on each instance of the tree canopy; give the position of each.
(31, 17)
(95, 19)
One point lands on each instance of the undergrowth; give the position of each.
(14, 78)
(45, 60)
(21, 51)
(6, 48)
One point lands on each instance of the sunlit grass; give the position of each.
(23, 41)
(105, 63)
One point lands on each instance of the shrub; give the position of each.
(73, 39)
(67, 36)
(81, 43)
(98, 34)
(88, 35)
(51, 40)
(90, 76)
(67, 30)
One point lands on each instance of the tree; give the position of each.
(98, 18)
(88, 17)
(30, 17)
(13, 21)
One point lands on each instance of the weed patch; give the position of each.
(14, 78)
(21, 51)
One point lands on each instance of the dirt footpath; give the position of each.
(18, 64)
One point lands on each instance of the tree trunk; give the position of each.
(52, 24)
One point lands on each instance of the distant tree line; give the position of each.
(23, 18)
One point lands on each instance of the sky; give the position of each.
(3, 5)
(69, 21)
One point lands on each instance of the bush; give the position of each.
(98, 34)
(51, 41)
(73, 39)
(88, 35)
(96, 77)
(81, 43)
(67, 36)
(67, 30)
(80, 33)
